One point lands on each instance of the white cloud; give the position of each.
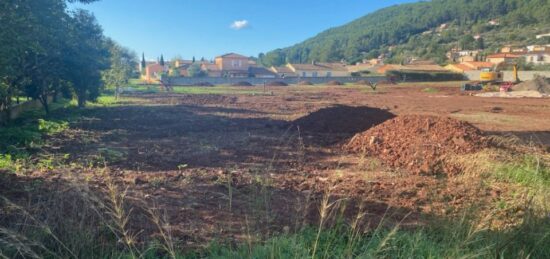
(238, 25)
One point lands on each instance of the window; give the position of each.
(314, 74)
(304, 74)
(329, 74)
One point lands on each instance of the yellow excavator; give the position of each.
(496, 76)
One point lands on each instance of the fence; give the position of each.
(188, 81)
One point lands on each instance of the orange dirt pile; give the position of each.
(419, 144)
(334, 82)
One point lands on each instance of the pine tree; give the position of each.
(193, 59)
(143, 62)
(161, 62)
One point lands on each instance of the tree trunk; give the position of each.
(44, 100)
(81, 100)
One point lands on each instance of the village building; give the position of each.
(502, 58)
(233, 65)
(261, 72)
(211, 70)
(424, 68)
(153, 72)
(316, 69)
(283, 72)
(538, 57)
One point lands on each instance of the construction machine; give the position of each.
(494, 76)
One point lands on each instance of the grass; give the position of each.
(430, 90)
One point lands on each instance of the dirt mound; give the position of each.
(276, 83)
(343, 119)
(204, 84)
(362, 82)
(334, 82)
(305, 83)
(242, 83)
(419, 144)
(540, 84)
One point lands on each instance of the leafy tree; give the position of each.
(122, 66)
(195, 70)
(87, 54)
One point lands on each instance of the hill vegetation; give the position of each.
(407, 30)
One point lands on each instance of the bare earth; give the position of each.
(225, 166)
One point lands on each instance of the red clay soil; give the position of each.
(419, 144)
(334, 82)
(305, 83)
(343, 119)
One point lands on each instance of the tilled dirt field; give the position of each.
(225, 166)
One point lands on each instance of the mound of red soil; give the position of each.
(334, 82)
(242, 83)
(342, 119)
(362, 82)
(276, 83)
(419, 144)
(305, 83)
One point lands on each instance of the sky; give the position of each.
(208, 28)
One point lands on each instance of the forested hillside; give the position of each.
(407, 28)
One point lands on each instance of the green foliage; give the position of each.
(52, 127)
(529, 171)
(123, 63)
(195, 71)
(403, 27)
(442, 240)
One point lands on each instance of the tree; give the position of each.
(161, 62)
(143, 63)
(87, 54)
(195, 71)
(122, 65)
(193, 61)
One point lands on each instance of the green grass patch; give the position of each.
(430, 90)
(440, 240)
(529, 171)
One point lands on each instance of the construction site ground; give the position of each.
(224, 164)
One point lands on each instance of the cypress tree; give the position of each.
(161, 62)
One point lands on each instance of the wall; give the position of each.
(24, 106)
(509, 75)
(260, 81)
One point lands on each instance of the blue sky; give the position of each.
(212, 27)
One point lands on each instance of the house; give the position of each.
(360, 67)
(181, 62)
(316, 69)
(233, 65)
(463, 55)
(538, 48)
(458, 68)
(478, 65)
(211, 70)
(153, 72)
(502, 57)
(423, 68)
(538, 57)
(283, 72)
(261, 72)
